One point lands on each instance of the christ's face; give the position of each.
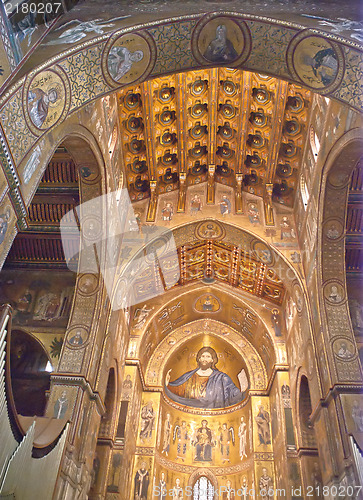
(205, 360)
(221, 33)
(137, 56)
(52, 96)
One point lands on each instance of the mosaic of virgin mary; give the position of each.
(205, 386)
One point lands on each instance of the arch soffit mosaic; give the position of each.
(88, 288)
(165, 351)
(341, 161)
(67, 70)
(242, 303)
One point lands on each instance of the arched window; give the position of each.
(314, 142)
(305, 410)
(305, 195)
(30, 370)
(203, 489)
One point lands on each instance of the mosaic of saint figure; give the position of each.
(266, 485)
(177, 491)
(276, 322)
(225, 437)
(61, 406)
(205, 386)
(195, 205)
(221, 48)
(161, 489)
(147, 420)
(141, 483)
(324, 65)
(181, 432)
(4, 218)
(225, 205)
(228, 493)
(242, 434)
(263, 425)
(38, 104)
(166, 435)
(120, 61)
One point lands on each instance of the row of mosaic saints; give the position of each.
(178, 490)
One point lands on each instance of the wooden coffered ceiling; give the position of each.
(354, 223)
(210, 261)
(41, 246)
(234, 127)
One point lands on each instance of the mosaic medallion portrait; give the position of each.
(315, 61)
(221, 40)
(46, 99)
(128, 58)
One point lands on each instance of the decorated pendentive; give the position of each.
(46, 99)
(316, 62)
(221, 40)
(128, 58)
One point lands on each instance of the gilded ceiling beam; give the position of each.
(182, 140)
(211, 185)
(148, 116)
(234, 267)
(267, 205)
(183, 265)
(153, 202)
(244, 106)
(182, 192)
(276, 134)
(212, 130)
(213, 103)
(277, 125)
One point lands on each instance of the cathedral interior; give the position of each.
(190, 174)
